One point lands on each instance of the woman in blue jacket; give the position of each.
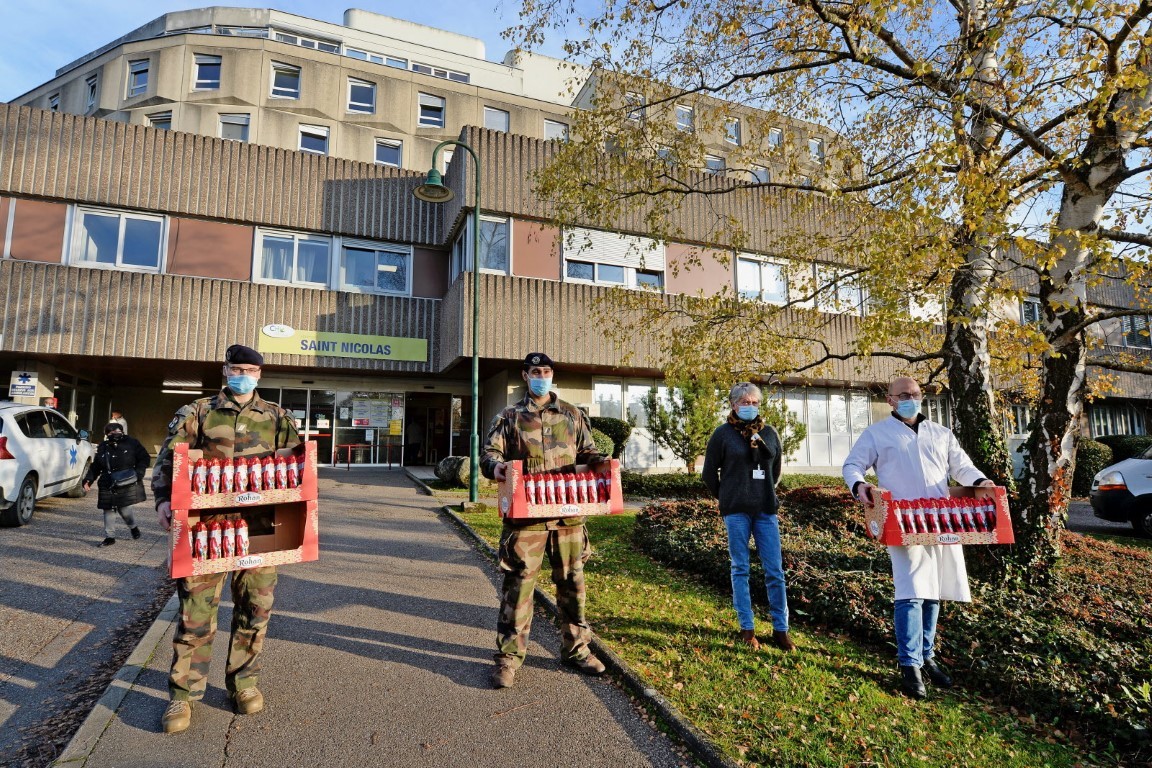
(741, 468)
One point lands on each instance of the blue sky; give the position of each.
(36, 38)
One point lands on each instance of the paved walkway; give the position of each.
(378, 654)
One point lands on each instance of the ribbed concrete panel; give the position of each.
(87, 160)
(52, 309)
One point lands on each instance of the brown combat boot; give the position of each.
(589, 665)
(748, 637)
(248, 701)
(503, 676)
(783, 641)
(177, 717)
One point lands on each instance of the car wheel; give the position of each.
(1142, 522)
(77, 491)
(21, 512)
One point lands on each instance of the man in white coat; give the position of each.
(914, 458)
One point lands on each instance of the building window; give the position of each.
(283, 257)
(1030, 312)
(161, 120)
(207, 72)
(361, 96)
(835, 419)
(816, 150)
(446, 156)
(804, 181)
(775, 138)
(1135, 330)
(138, 77)
(1115, 419)
(431, 111)
(732, 133)
(235, 127)
(554, 129)
(609, 258)
(285, 81)
(307, 42)
(494, 245)
(54, 102)
(444, 74)
(390, 152)
(760, 280)
(714, 164)
(314, 139)
(761, 175)
(685, 117)
(115, 239)
(936, 409)
(635, 104)
(371, 268)
(496, 119)
(92, 82)
(836, 292)
(1017, 420)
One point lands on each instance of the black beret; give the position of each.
(113, 426)
(537, 359)
(238, 353)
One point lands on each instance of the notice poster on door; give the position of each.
(361, 413)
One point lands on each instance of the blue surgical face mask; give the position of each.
(242, 385)
(907, 409)
(747, 412)
(539, 387)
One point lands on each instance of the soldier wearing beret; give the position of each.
(235, 422)
(547, 434)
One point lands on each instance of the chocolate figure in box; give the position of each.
(547, 434)
(236, 422)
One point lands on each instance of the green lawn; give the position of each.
(830, 703)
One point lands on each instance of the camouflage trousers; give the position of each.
(521, 555)
(252, 594)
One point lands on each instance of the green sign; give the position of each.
(289, 341)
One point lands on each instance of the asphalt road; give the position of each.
(70, 613)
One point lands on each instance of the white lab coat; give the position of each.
(915, 464)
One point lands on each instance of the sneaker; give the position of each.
(503, 676)
(248, 701)
(936, 673)
(748, 637)
(911, 682)
(108, 541)
(589, 665)
(135, 533)
(783, 641)
(177, 717)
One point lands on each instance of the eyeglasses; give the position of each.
(237, 370)
(906, 396)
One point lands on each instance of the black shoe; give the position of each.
(135, 533)
(109, 541)
(911, 683)
(936, 673)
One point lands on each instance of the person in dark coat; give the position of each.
(115, 457)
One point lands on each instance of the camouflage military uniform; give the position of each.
(222, 428)
(545, 438)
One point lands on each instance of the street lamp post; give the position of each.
(434, 191)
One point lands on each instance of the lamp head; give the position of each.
(433, 190)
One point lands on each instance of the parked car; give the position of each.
(1123, 492)
(41, 455)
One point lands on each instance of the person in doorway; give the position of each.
(235, 422)
(914, 458)
(118, 471)
(118, 417)
(741, 468)
(547, 434)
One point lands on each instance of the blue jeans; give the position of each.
(915, 630)
(765, 529)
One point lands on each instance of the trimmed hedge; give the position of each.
(603, 443)
(668, 485)
(617, 430)
(1075, 655)
(1091, 457)
(1126, 446)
